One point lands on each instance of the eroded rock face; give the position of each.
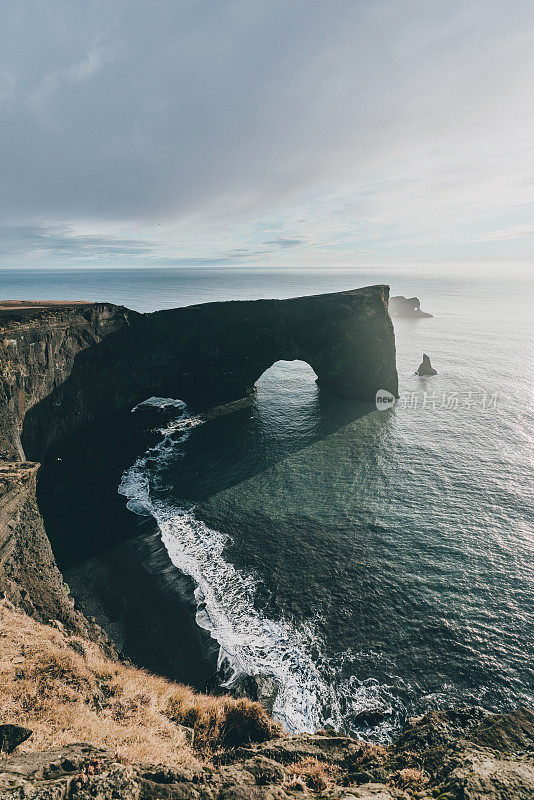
(441, 755)
(29, 576)
(39, 345)
(214, 353)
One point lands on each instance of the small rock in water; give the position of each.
(267, 691)
(260, 688)
(426, 368)
(371, 716)
(11, 736)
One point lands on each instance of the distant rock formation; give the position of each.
(409, 307)
(425, 367)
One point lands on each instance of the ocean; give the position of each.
(374, 563)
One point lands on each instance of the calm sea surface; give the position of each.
(363, 559)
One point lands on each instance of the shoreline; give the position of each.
(116, 563)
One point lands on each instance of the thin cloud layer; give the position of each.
(223, 132)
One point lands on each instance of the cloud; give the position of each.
(515, 232)
(53, 83)
(247, 129)
(284, 243)
(60, 241)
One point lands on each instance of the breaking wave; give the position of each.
(310, 696)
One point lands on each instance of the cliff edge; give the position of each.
(39, 344)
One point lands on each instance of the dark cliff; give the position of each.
(213, 353)
(29, 577)
(39, 344)
(67, 366)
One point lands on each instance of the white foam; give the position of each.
(250, 643)
(160, 402)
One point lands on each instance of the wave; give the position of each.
(309, 695)
(159, 402)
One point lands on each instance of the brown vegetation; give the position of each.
(310, 773)
(410, 778)
(67, 691)
(220, 722)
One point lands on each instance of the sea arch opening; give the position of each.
(289, 376)
(287, 397)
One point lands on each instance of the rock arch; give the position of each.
(214, 353)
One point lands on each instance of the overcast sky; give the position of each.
(266, 132)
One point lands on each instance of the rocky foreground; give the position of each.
(461, 755)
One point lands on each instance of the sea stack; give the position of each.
(425, 367)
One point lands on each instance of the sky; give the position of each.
(266, 132)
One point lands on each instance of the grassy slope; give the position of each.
(65, 690)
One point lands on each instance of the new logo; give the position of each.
(384, 400)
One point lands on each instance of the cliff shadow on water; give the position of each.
(114, 561)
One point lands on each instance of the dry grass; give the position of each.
(221, 722)
(310, 773)
(372, 752)
(66, 691)
(410, 778)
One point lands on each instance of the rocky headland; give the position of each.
(101, 727)
(66, 367)
(407, 307)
